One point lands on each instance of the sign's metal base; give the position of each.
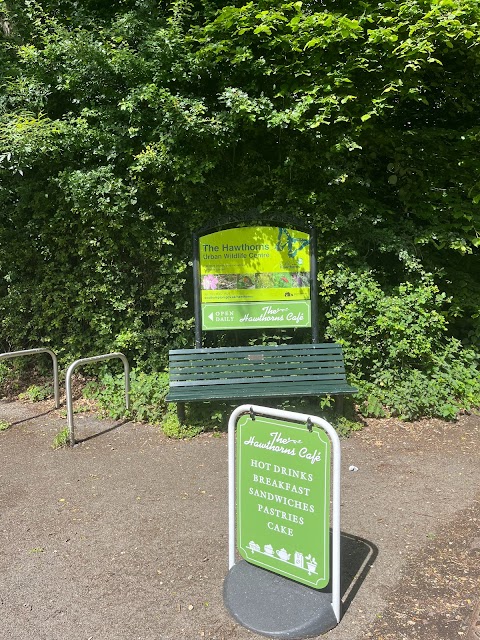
(273, 606)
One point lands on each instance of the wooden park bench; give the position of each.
(251, 373)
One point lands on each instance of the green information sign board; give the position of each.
(283, 498)
(255, 277)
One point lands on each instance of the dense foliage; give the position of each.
(125, 125)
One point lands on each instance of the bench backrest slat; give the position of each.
(215, 374)
(220, 352)
(250, 365)
(250, 381)
(257, 360)
(274, 362)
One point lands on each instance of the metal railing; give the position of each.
(68, 385)
(28, 352)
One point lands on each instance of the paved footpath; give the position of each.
(125, 536)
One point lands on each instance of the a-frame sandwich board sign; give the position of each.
(284, 481)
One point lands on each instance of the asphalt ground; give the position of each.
(125, 536)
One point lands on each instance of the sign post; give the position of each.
(279, 520)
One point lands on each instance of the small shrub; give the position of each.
(147, 395)
(4, 372)
(60, 439)
(4, 425)
(324, 407)
(36, 393)
(173, 429)
(147, 404)
(345, 426)
(398, 352)
(450, 385)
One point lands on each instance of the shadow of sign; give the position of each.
(358, 556)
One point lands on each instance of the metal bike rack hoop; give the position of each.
(28, 352)
(68, 385)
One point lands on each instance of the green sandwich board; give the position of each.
(283, 498)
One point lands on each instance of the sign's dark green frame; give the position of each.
(246, 221)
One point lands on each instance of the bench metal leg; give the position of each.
(339, 405)
(181, 412)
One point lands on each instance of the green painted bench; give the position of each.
(251, 373)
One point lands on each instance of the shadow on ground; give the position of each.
(357, 558)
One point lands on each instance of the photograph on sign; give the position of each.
(283, 498)
(243, 269)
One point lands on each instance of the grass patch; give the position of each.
(172, 428)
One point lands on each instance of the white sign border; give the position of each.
(300, 418)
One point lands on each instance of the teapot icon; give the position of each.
(283, 555)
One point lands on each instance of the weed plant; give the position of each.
(147, 395)
(60, 439)
(36, 393)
